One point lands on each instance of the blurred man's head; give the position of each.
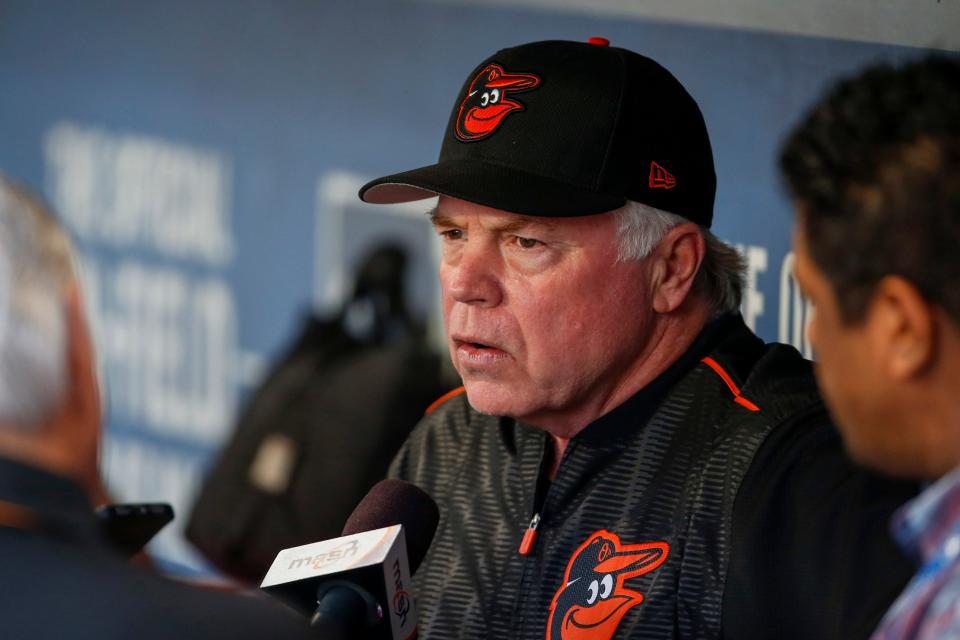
(577, 188)
(49, 406)
(875, 173)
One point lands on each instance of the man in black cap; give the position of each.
(628, 460)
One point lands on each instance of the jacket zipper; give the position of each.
(540, 491)
(540, 500)
(529, 536)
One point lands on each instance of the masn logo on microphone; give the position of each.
(321, 560)
(401, 599)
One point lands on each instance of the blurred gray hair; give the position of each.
(36, 263)
(720, 280)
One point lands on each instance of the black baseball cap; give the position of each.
(563, 128)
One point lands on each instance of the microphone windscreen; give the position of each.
(392, 502)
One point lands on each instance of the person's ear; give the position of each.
(902, 328)
(82, 412)
(677, 260)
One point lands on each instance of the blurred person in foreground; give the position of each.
(628, 460)
(875, 173)
(58, 576)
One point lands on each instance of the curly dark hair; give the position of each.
(875, 172)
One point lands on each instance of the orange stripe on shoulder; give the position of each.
(439, 401)
(734, 389)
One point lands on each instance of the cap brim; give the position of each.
(492, 186)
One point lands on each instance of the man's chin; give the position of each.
(894, 461)
(495, 399)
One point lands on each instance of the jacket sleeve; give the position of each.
(812, 556)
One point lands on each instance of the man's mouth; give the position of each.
(477, 353)
(477, 345)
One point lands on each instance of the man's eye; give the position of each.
(452, 234)
(527, 243)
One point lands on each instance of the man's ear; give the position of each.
(902, 328)
(677, 261)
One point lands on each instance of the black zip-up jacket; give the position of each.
(715, 503)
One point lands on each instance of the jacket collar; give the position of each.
(925, 525)
(58, 505)
(727, 334)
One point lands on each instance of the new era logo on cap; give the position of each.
(660, 178)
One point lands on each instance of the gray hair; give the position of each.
(36, 263)
(720, 280)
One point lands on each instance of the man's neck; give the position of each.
(670, 338)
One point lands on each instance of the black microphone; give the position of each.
(358, 585)
(392, 502)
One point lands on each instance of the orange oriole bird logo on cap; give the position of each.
(592, 600)
(487, 102)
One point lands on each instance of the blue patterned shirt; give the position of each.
(928, 528)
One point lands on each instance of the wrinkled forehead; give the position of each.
(452, 212)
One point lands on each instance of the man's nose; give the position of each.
(474, 278)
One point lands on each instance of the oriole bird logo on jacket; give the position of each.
(487, 102)
(592, 600)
